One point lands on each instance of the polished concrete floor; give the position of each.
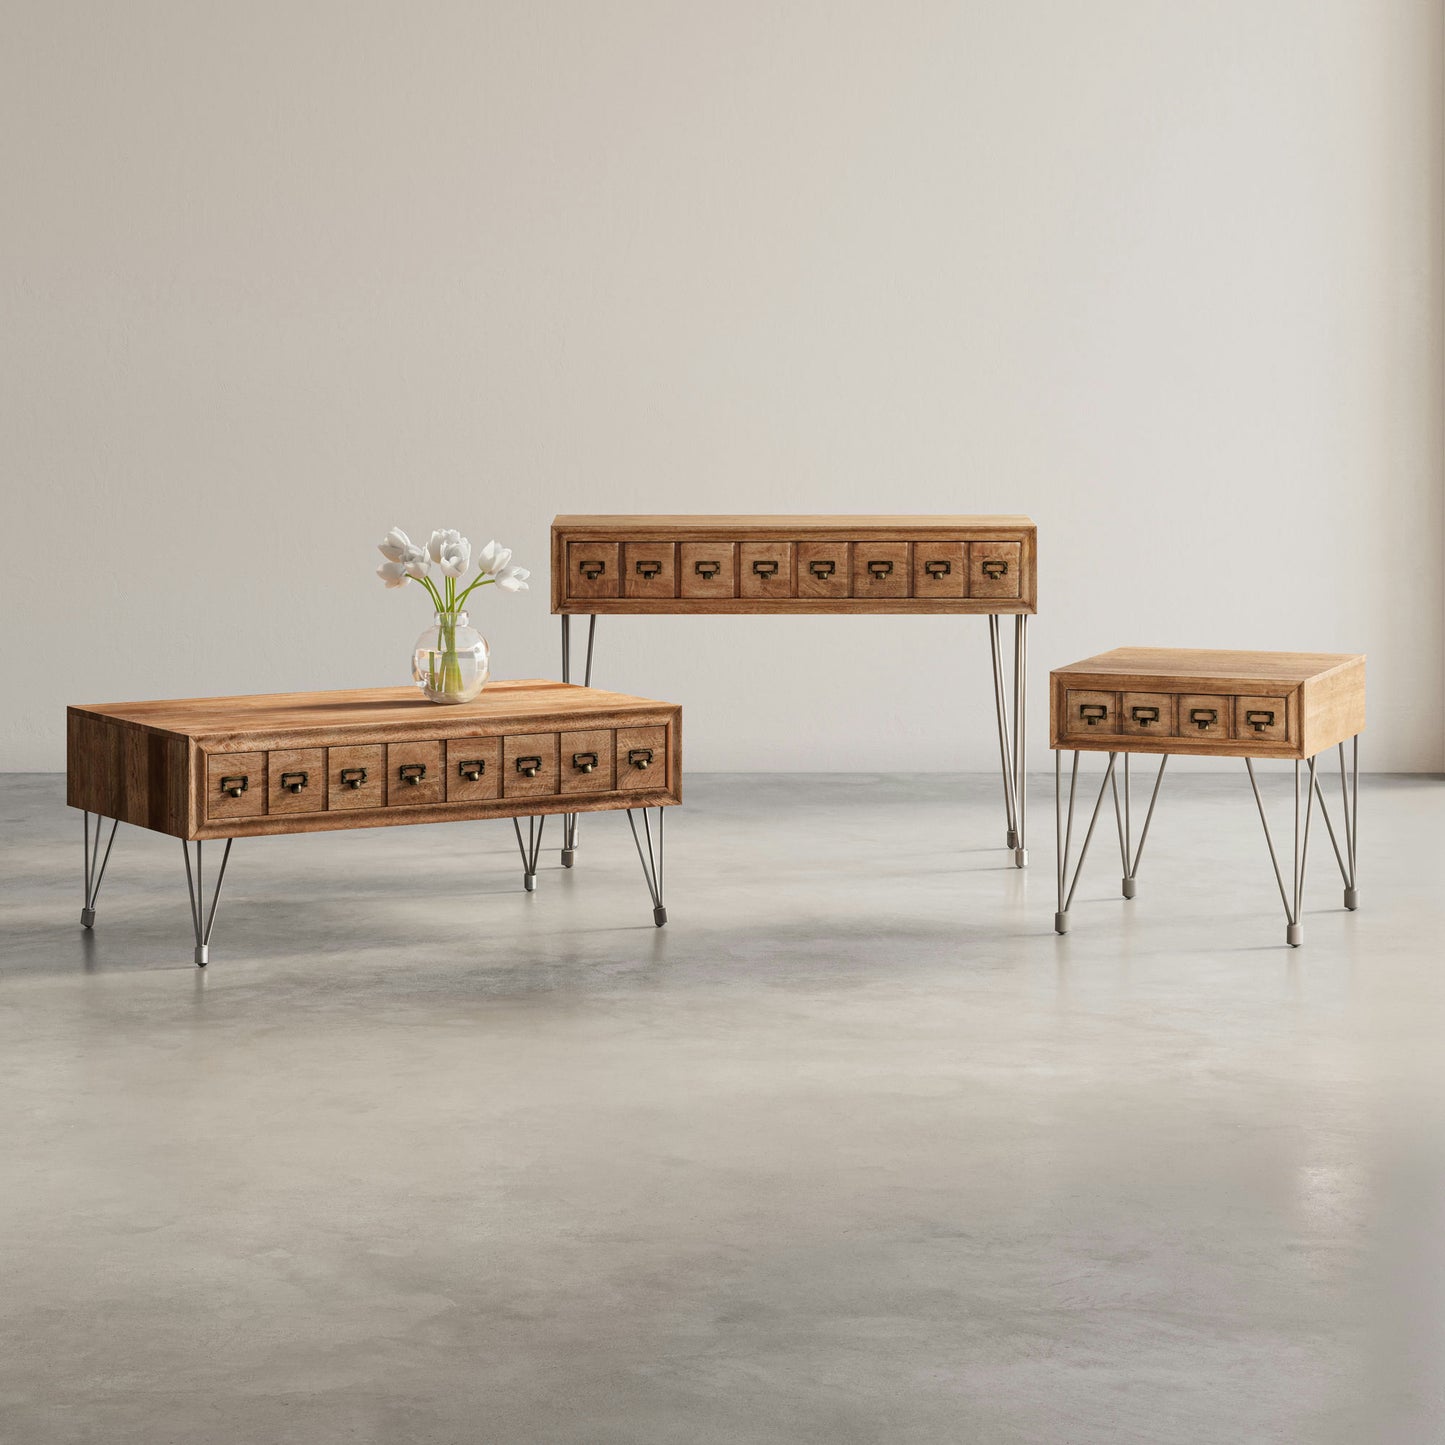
(855, 1150)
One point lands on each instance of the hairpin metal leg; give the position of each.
(1011, 738)
(1064, 837)
(1293, 897)
(530, 849)
(651, 859)
(569, 820)
(1349, 802)
(1129, 856)
(95, 862)
(201, 920)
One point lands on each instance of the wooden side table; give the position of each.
(1250, 705)
(911, 565)
(222, 768)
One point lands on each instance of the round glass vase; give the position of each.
(451, 661)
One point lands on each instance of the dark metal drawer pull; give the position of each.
(293, 782)
(995, 567)
(592, 570)
(529, 767)
(1093, 712)
(1203, 717)
(411, 773)
(880, 569)
(584, 762)
(707, 570)
(822, 569)
(640, 758)
(1259, 720)
(940, 567)
(352, 777)
(765, 567)
(1144, 715)
(235, 786)
(472, 769)
(649, 569)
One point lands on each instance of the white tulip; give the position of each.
(491, 559)
(514, 579)
(451, 552)
(396, 546)
(392, 573)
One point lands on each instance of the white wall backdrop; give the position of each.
(1166, 276)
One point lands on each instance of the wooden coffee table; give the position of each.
(222, 768)
(1250, 705)
(910, 566)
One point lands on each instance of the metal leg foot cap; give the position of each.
(1294, 935)
(203, 955)
(87, 918)
(569, 857)
(1130, 886)
(1061, 923)
(659, 916)
(529, 882)
(1012, 838)
(1352, 899)
(1021, 857)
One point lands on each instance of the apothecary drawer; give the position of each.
(296, 780)
(235, 785)
(529, 765)
(1090, 714)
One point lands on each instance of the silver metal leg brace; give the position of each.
(201, 920)
(1011, 738)
(1129, 856)
(530, 850)
(1065, 836)
(651, 859)
(1292, 898)
(95, 862)
(569, 820)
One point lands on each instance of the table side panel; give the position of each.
(137, 775)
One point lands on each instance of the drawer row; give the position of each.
(878, 570)
(1231, 717)
(412, 774)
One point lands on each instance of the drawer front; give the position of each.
(1261, 719)
(649, 569)
(1205, 715)
(1149, 715)
(641, 758)
(993, 569)
(593, 569)
(474, 769)
(355, 777)
(824, 569)
(413, 774)
(529, 765)
(765, 569)
(586, 763)
(235, 785)
(707, 569)
(296, 780)
(880, 569)
(1091, 714)
(940, 569)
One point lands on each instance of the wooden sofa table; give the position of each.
(222, 768)
(1251, 705)
(815, 565)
